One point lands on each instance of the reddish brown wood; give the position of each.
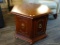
(31, 41)
(30, 26)
(31, 30)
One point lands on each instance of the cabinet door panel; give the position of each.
(39, 27)
(23, 26)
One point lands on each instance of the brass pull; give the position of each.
(40, 25)
(23, 28)
(22, 25)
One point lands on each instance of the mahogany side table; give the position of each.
(30, 25)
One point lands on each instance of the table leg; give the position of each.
(55, 16)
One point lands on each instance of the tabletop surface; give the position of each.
(29, 9)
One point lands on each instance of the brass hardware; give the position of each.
(22, 25)
(40, 26)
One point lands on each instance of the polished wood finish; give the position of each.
(29, 29)
(28, 9)
(30, 26)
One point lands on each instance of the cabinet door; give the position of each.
(40, 27)
(23, 26)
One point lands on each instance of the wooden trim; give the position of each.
(31, 41)
(23, 38)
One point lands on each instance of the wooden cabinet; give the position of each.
(30, 25)
(29, 29)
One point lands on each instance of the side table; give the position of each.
(30, 25)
